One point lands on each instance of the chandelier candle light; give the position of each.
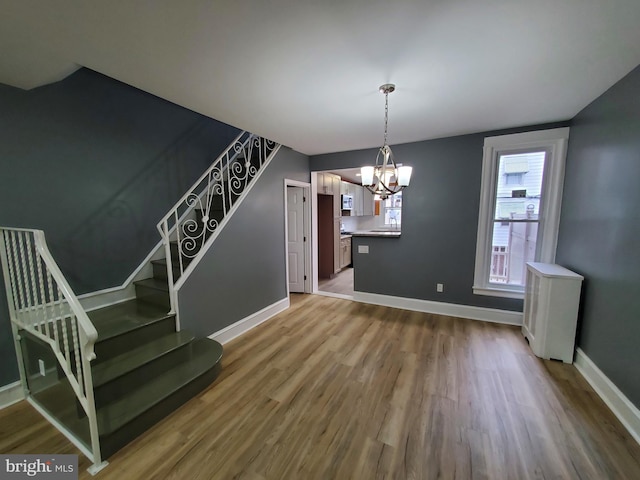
(386, 177)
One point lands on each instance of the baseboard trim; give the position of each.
(122, 293)
(620, 405)
(451, 309)
(10, 394)
(242, 326)
(106, 298)
(334, 295)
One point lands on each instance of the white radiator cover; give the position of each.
(551, 302)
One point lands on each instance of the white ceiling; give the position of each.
(306, 72)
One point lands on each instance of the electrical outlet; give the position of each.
(439, 287)
(43, 372)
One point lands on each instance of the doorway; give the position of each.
(298, 236)
(331, 243)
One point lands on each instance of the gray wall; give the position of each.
(600, 230)
(439, 222)
(244, 271)
(95, 164)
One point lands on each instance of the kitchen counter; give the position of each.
(377, 233)
(345, 235)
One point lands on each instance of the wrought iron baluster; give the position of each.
(222, 193)
(179, 243)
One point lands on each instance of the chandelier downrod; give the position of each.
(385, 178)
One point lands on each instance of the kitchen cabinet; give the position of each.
(337, 266)
(345, 252)
(348, 188)
(324, 187)
(363, 201)
(552, 295)
(357, 201)
(335, 185)
(328, 184)
(368, 202)
(337, 199)
(329, 215)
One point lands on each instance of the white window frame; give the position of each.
(385, 208)
(554, 142)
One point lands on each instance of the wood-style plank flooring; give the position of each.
(333, 389)
(342, 283)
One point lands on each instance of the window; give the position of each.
(522, 177)
(393, 210)
(514, 178)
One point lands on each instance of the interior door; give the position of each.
(295, 238)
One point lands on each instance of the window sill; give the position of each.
(498, 292)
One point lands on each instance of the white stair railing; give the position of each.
(42, 304)
(216, 194)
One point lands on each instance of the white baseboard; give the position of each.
(620, 405)
(104, 298)
(334, 295)
(10, 394)
(126, 291)
(441, 308)
(232, 331)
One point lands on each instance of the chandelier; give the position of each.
(386, 177)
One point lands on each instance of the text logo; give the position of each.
(51, 467)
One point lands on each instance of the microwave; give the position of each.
(347, 202)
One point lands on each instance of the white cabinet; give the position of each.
(345, 252)
(551, 302)
(363, 199)
(337, 258)
(367, 202)
(363, 202)
(347, 188)
(357, 201)
(335, 183)
(328, 184)
(337, 200)
(322, 186)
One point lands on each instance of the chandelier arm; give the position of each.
(370, 189)
(390, 190)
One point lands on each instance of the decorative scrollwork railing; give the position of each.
(202, 211)
(42, 304)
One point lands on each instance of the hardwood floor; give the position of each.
(342, 283)
(333, 389)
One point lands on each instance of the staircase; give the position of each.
(104, 377)
(144, 368)
(141, 368)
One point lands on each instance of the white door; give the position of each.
(295, 238)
